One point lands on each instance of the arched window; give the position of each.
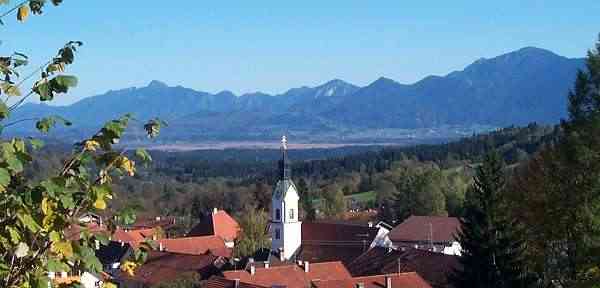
(292, 214)
(277, 214)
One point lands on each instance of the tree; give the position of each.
(306, 201)
(37, 214)
(558, 192)
(333, 204)
(493, 253)
(385, 191)
(254, 235)
(185, 280)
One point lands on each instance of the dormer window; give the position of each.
(277, 214)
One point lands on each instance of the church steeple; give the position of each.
(285, 225)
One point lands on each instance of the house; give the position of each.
(217, 223)
(290, 276)
(428, 232)
(434, 267)
(402, 280)
(331, 241)
(196, 245)
(162, 266)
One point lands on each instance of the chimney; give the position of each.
(306, 266)
(237, 283)
(215, 210)
(161, 247)
(252, 266)
(281, 256)
(360, 285)
(266, 264)
(388, 281)
(122, 243)
(157, 218)
(370, 224)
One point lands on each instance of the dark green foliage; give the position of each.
(493, 252)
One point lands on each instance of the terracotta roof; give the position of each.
(149, 222)
(433, 267)
(165, 266)
(218, 224)
(324, 233)
(327, 253)
(291, 276)
(417, 229)
(219, 282)
(196, 245)
(404, 280)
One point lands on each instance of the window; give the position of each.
(277, 214)
(291, 214)
(277, 234)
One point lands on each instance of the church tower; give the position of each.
(285, 226)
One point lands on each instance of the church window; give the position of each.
(291, 214)
(277, 234)
(277, 214)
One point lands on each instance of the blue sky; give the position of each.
(270, 46)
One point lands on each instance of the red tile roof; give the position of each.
(218, 282)
(165, 266)
(417, 229)
(433, 267)
(337, 234)
(219, 224)
(196, 245)
(404, 280)
(291, 276)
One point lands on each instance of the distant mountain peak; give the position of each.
(157, 84)
(383, 81)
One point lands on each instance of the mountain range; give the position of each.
(527, 85)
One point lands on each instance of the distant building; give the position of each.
(290, 276)
(402, 280)
(434, 267)
(432, 233)
(163, 267)
(218, 223)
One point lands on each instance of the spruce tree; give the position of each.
(492, 253)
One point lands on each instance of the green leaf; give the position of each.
(36, 144)
(28, 222)
(15, 236)
(143, 155)
(11, 90)
(67, 81)
(3, 111)
(43, 89)
(4, 178)
(55, 265)
(45, 124)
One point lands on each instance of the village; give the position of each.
(420, 252)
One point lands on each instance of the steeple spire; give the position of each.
(284, 166)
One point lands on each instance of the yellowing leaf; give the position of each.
(127, 165)
(100, 204)
(108, 285)
(23, 13)
(129, 267)
(91, 145)
(63, 248)
(48, 206)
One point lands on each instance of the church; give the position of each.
(293, 240)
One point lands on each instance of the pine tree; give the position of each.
(492, 250)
